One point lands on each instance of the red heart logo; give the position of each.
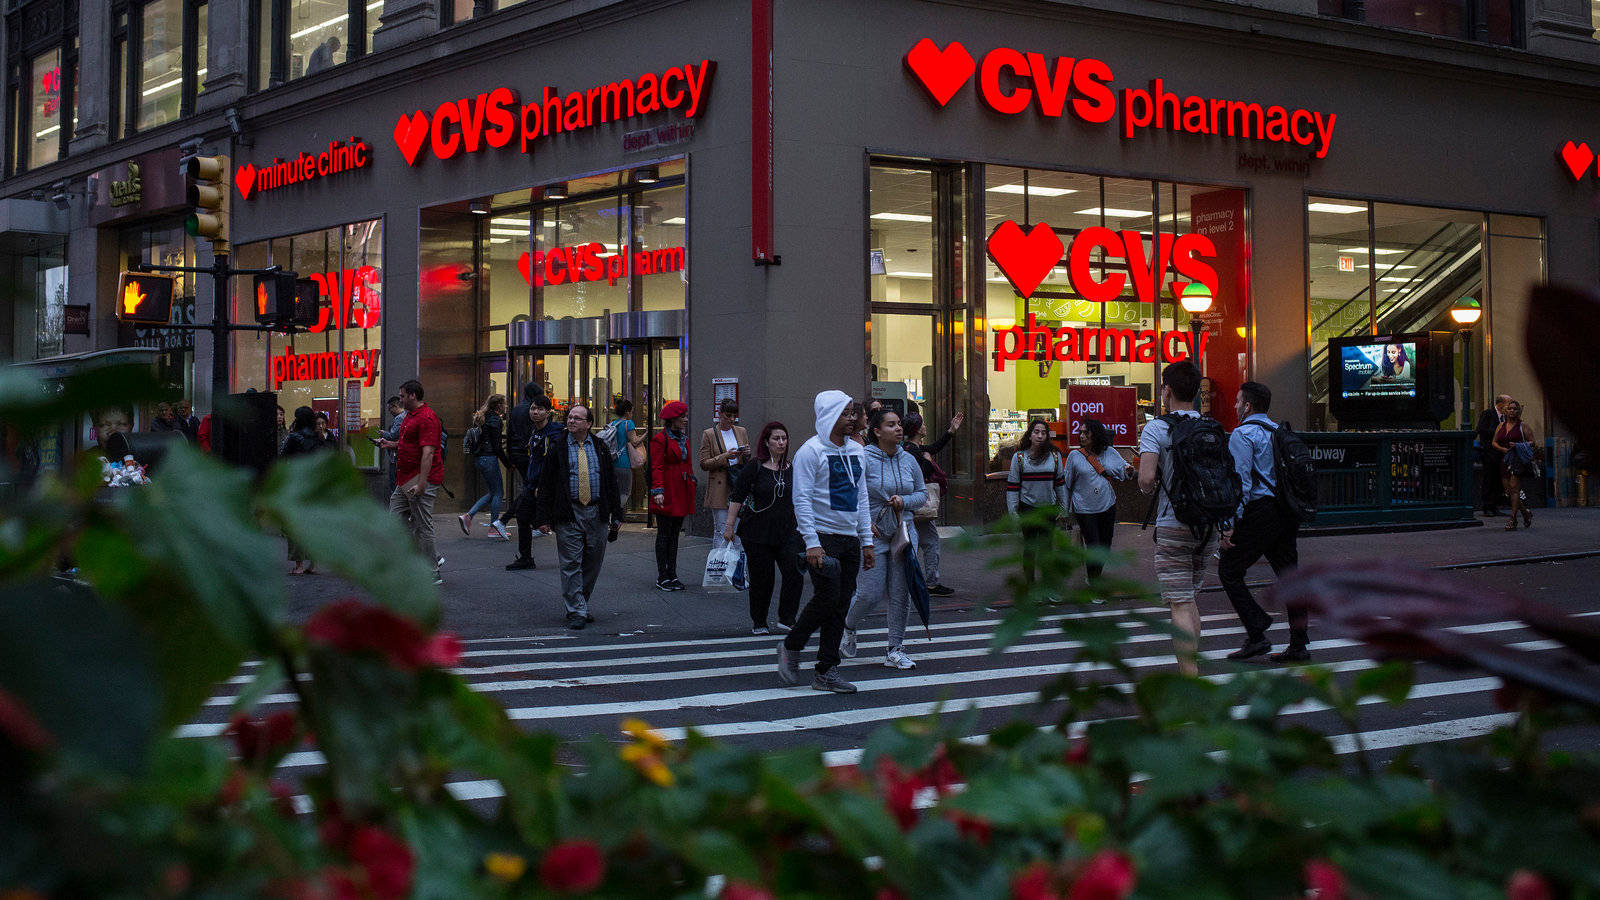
(1025, 258)
(409, 133)
(943, 72)
(246, 180)
(522, 266)
(1577, 157)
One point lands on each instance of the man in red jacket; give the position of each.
(418, 470)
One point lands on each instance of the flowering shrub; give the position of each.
(1154, 786)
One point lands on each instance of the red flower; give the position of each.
(941, 773)
(970, 826)
(738, 890)
(1526, 885)
(356, 627)
(282, 798)
(386, 859)
(1107, 875)
(1033, 883)
(20, 726)
(573, 867)
(899, 792)
(1078, 753)
(1325, 878)
(258, 739)
(889, 893)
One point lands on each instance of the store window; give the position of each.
(917, 315)
(452, 12)
(1125, 338)
(159, 54)
(1388, 268)
(336, 365)
(296, 38)
(42, 85)
(1485, 21)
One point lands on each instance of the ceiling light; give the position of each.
(675, 220)
(479, 207)
(1334, 208)
(508, 220)
(1400, 278)
(646, 175)
(320, 25)
(508, 232)
(1032, 190)
(1381, 251)
(902, 217)
(1115, 213)
(1466, 311)
(910, 274)
(557, 191)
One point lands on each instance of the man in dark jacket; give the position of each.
(546, 432)
(1489, 493)
(577, 497)
(519, 428)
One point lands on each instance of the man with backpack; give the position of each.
(1184, 458)
(1269, 459)
(519, 429)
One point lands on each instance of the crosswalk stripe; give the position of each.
(629, 678)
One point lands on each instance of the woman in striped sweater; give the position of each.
(1038, 480)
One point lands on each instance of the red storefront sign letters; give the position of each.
(588, 262)
(1028, 258)
(1113, 406)
(1010, 81)
(348, 299)
(351, 364)
(1071, 343)
(495, 118)
(338, 157)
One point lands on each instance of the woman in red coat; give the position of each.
(671, 490)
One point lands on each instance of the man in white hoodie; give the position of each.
(830, 509)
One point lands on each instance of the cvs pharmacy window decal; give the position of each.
(1011, 82)
(495, 118)
(589, 262)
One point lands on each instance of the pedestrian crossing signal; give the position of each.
(144, 298)
(307, 302)
(274, 298)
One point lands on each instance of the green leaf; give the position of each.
(1039, 799)
(1392, 681)
(185, 771)
(83, 668)
(362, 712)
(268, 678)
(1396, 872)
(321, 504)
(195, 520)
(449, 858)
(31, 405)
(717, 852)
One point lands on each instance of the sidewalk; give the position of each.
(483, 600)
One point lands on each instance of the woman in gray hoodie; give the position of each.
(895, 491)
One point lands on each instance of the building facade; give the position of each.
(686, 199)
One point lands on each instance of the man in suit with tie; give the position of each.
(1489, 493)
(578, 498)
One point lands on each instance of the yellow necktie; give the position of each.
(583, 476)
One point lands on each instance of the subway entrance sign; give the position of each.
(144, 298)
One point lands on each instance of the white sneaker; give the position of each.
(466, 524)
(847, 644)
(500, 530)
(897, 659)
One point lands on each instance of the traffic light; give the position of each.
(307, 302)
(206, 185)
(274, 298)
(145, 299)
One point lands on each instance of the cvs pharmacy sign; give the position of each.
(1026, 258)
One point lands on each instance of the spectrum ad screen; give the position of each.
(1378, 371)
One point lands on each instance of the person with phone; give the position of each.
(724, 449)
(418, 472)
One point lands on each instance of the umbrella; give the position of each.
(917, 587)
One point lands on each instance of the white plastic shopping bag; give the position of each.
(721, 566)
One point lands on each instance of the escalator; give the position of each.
(1443, 268)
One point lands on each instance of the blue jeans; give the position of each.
(489, 470)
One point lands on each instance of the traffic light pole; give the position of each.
(221, 289)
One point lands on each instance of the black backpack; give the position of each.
(1297, 473)
(1205, 487)
(469, 443)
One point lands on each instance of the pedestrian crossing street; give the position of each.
(727, 686)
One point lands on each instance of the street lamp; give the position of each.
(1466, 313)
(1196, 300)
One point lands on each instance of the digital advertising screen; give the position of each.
(1378, 371)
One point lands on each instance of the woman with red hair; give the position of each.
(764, 493)
(671, 490)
